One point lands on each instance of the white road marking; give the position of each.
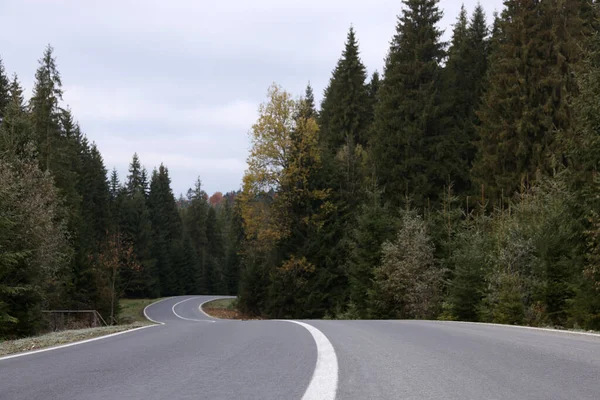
(208, 301)
(525, 327)
(156, 302)
(323, 385)
(184, 318)
(62, 346)
(202, 311)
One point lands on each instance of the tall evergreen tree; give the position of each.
(465, 75)
(373, 90)
(374, 225)
(531, 83)
(5, 96)
(215, 254)
(194, 218)
(343, 118)
(44, 105)
(16, 138)
(309, 110)
(166, 229)
(135, 179)
(410, 147)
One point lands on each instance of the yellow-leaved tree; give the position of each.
(279, 202)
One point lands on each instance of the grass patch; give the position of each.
(132, 310)
(57, 338)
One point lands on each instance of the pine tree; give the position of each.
(374, 225)
(194, 218)
(308, 110)
(343, 118)
(115, 184)
(373, 90)
(465, 75)
(409, 143)
(407, 284)
(135, 179)
(166, 228)
(531, 83)
(5, 95)
(215, 254)
(34, 244)
(16, 137)
(44, 105)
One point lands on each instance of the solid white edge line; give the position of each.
(184, 318)
(564, 331)
(62, 346)
(156, 302)
(208, 301)
(323, 384)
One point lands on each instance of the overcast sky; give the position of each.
(179, 81)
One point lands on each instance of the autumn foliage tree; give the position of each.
(278, 202)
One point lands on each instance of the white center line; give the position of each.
(184, 318)
(323, 385)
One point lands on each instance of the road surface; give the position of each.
(192, 356)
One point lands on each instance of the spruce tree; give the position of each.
(166, 230)
(16, 137)
(5, 96)
(115, 184)
(343, 118)
(465, 75)
(44, 106)
(308, 109)
(409, 147)
(194, 218)
(373, 90)
(374, 225)
(215, 254)
(135, 181)
(526, 113)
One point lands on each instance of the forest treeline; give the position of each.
(71, 237)
(460, 184)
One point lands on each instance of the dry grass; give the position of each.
(62, 337)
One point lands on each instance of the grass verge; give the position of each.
(62, 337)
(132, 310)
(225, 309)
(131, 316)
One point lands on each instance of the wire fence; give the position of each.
(59, 320)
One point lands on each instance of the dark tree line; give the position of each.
(72, 237)
(459, 184)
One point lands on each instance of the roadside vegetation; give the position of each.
(131, 316)
(132, 310)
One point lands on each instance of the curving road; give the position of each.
(192, 356)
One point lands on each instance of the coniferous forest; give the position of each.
(460, 183)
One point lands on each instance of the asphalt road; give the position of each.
(192, 356)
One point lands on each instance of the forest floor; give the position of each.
(225, 309)
(130, 317)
